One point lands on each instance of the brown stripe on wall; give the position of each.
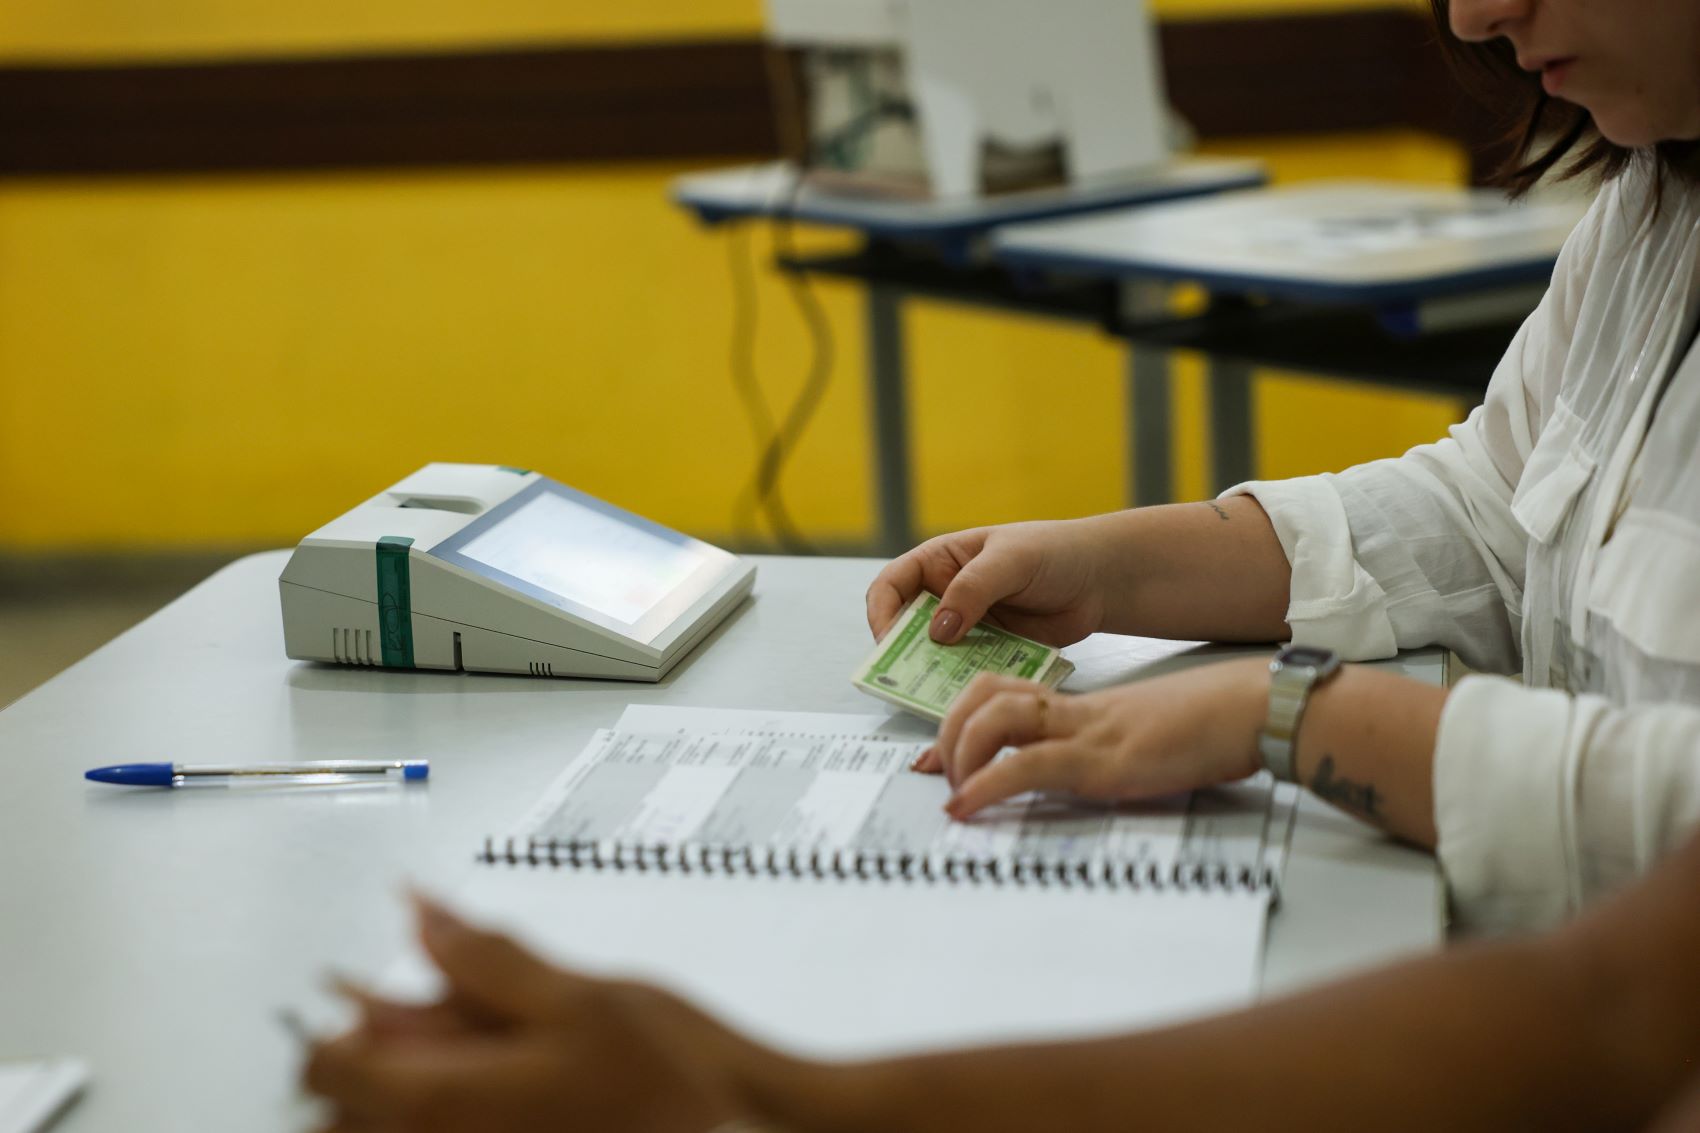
(539, 105)
(704, 100)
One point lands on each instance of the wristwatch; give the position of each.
(1294, 673)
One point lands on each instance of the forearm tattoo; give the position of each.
(1359, 798)
(1221, 512)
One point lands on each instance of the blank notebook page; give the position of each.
(858, 968)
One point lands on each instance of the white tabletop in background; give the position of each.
(153, 933)
(1350, 238)
(769, 190)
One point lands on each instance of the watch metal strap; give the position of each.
(1289, 688)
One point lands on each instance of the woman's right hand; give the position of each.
(1044, 580)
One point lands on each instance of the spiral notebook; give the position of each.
(791, 875)
(833, 808)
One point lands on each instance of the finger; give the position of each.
(383, 1018)
(1051, 765)
(983, 582)
(981, 689)
(469, 1083)
(347, 1072)
(489, 971)
(927, 763)
(1011, 718)
(929, 567)
(349, 1123)
(892, 589)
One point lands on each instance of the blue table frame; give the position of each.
(1410, 258)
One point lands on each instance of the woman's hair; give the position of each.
(1547, 134)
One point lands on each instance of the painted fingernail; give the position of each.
(945, 625)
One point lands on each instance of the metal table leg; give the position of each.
(1149, 467)
(888, 409)
(1233, 456)
(1150, 425)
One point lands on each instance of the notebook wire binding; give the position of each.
(866, 865)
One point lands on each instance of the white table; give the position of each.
(1427, 258)
(154, 932)
(1321, 242)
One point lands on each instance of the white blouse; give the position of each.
(1556, 531)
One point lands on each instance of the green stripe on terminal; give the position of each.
(395, 602)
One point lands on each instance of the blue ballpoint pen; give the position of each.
(322, 771)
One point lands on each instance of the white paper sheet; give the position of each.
(680, 795)
(33, 1093)
(669, 718)
(1242, 830)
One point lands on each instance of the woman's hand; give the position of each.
(519, 1045)
(1040, 580)
(1194, 728)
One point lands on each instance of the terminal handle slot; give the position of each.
(464, 505)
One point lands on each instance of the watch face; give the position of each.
(1310, 655)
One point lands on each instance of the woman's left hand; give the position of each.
(519, 1045)
(1194, 728)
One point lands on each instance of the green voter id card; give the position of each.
(914, 672)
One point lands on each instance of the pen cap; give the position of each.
(415, 769)
(134, 774)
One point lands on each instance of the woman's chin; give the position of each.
(1637, 131)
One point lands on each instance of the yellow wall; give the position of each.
(227, 360)
(212, 361)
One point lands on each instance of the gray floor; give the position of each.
(55, 611)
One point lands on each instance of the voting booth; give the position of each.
(959, 98)
(482, 568)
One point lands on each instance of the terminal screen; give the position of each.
(586, 556)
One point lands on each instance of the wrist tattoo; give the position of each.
(1359, 798)
(1221, 512)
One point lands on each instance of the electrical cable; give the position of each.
(808, 401)
(765, 492)
(745, 321)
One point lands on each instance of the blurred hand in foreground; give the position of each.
(517, 1045)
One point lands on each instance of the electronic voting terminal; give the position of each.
(481, 568)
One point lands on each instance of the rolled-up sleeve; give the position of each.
(1334, 600)
(1423, 549)
(1594, 795)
